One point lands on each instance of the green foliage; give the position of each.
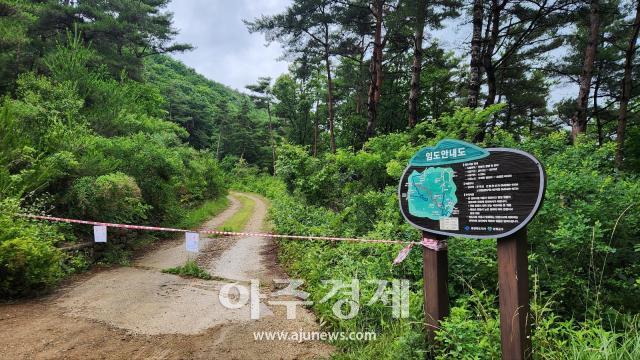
(76, 262)
(190, 270)
(214, 116)
(29, 261)
(34, 139)
(588, 341)
(86, 144)
(116, 253)
(81, 125)
(109, 198)
(90, 129)
(474, 317)
(28, 264)
(198, 215)
(581, 243)
(293, 106)
(587, 226)
(463, 124)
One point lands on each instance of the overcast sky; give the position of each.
(225, 51)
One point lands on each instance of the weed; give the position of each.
(190, 269)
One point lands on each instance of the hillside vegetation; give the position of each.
(86, 132)
(582, 260)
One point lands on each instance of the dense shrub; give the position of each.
(109, 198)
(317, 181)
(583, 248)
(204, 179)
(473, 317)
(86, 144)
(587, 227)
(29, 262)
(26, 265)
(79, 125)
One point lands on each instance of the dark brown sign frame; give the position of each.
(541, 187)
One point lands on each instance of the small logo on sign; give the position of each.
(449, 223)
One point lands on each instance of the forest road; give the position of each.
(138, 312)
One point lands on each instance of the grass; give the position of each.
(189, 269)
(239, 220)
(198, 215)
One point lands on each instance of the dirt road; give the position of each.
(138, 312)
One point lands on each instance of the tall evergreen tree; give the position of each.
(626, 85)
(307, 27)
(263, 97)
(579, 118)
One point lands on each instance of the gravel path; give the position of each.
(140, 312)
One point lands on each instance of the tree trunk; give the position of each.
(273, 142)
(579, 118)
(305, 131)
(416, 69)
(626, 88)
(218, 147)
(493, 31)
(327, 61)
(496, 9)
(596, 115)
(507, 120)
(315, 131)
(361, 78)
(476, 42)
(376, 70)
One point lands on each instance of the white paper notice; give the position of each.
(449, 223)
(100, 234)
(191, 240)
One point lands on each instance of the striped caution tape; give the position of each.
(436, 245)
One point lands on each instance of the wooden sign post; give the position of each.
(435, 273)
(513, 282)
(457, 189)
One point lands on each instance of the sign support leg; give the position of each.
(513, 280)
(436, 292)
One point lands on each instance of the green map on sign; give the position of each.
(432, 193)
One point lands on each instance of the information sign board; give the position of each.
(461, 190)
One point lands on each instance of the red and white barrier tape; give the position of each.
(432, 244)
(216, 232)
(96, 223)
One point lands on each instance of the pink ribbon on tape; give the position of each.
(434, 244)
(403, 254)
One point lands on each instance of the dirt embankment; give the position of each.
(139, 312)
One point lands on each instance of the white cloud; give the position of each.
(225, 51)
